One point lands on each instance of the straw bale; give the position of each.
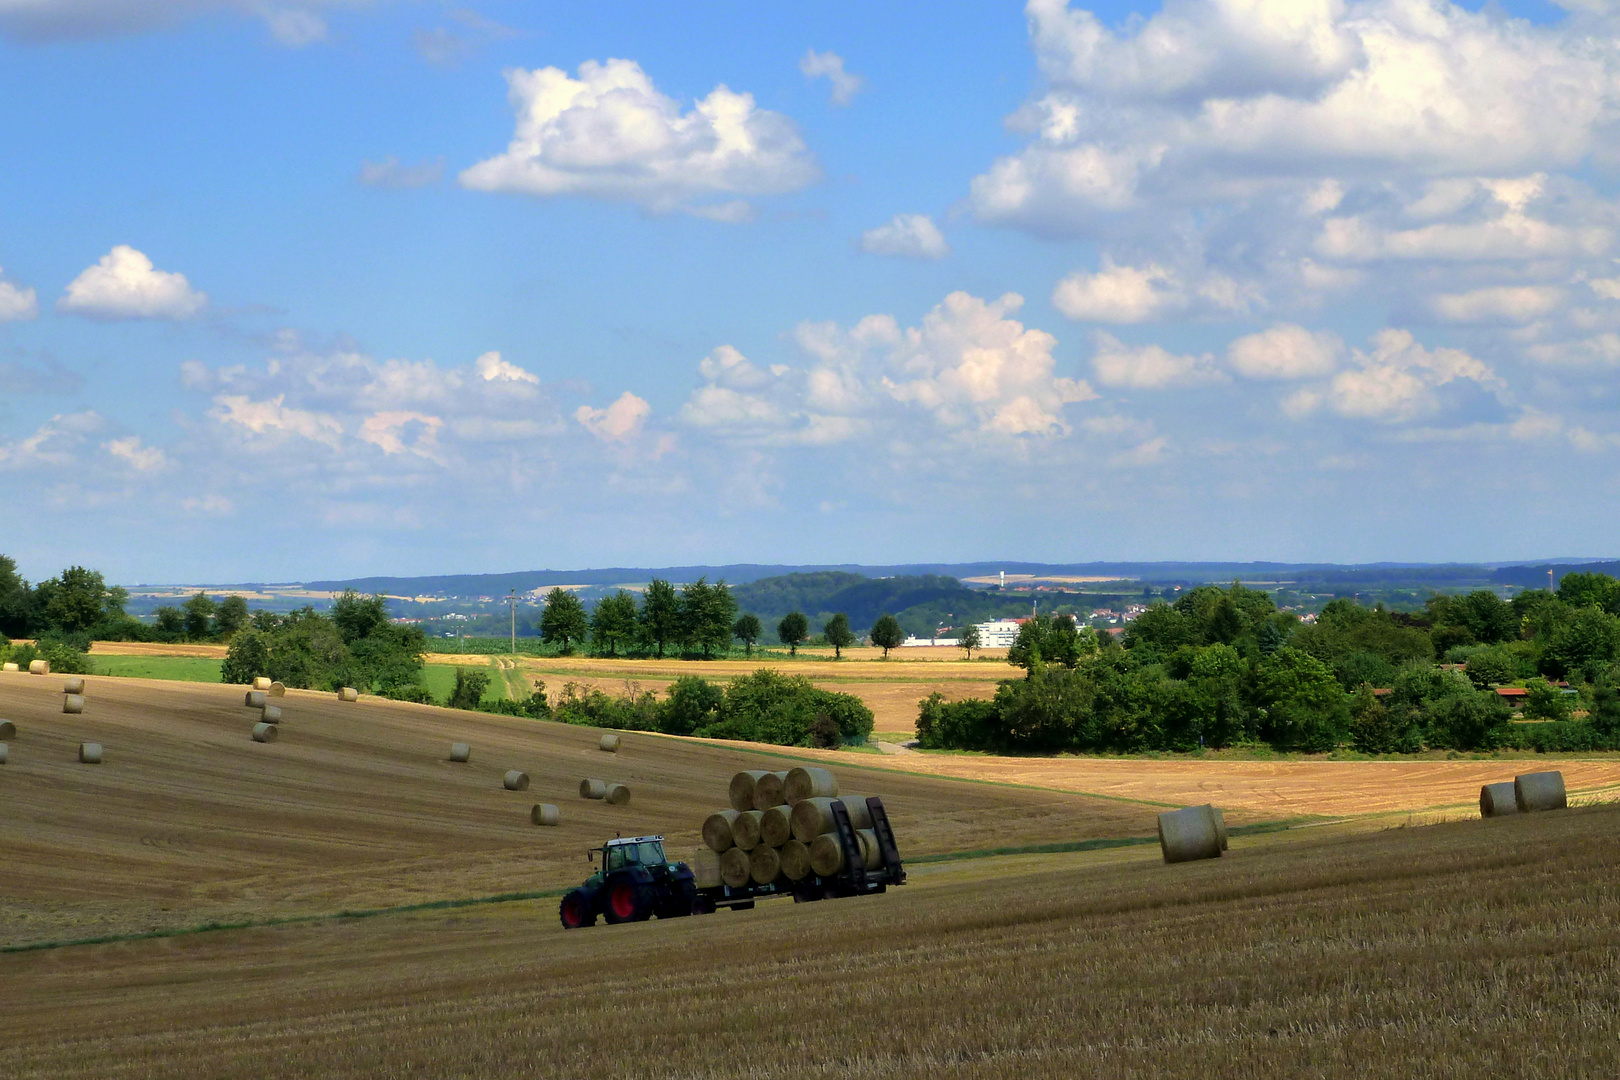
(741, 792)
(260, 682)
(813, 817)
(1189, 834)
(810, 783)
(1540, 791)
(1496, 800)
(460, 751)
(717, 830)
(705, 866)
(265, 732)
(277, 690)
(617, 795)
(871, 853)
(795, 860)
(348, 693)
(608, 742)
(39, 667)
(73, 703)
(270, 714)
(545, 814)
(764, 864)
(1220, 825)
(593, 789)
(776, 826)
(734, 867)
(4, 753)
(770, 790)
(74, 685)
(253, 699)
(9, 666)
(746, 828)
(90, 753)
(826, 855)
(8, 731)
(516, 780)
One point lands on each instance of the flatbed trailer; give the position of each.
(854, 880)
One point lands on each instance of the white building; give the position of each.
(919, 642)
(999, 634)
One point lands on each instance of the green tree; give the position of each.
(357, 616)
(199, 616)
(839, 635)
(1305, 705)
(1051, 639)
(563, 621)
(660, 615)
(72, 602)
(792, 631)
(968, 639)
(706, 616)
(1585, 645)
(1471, 721)
(747, 630)
(471, 684)
(231, 616)
(247, 658)
(613, 623)
(886, 633)
(16, 600)
(171, 623)
(1589, 590)
(1490, 667)
(1545, 701)
(693, 703)
(1375, 728)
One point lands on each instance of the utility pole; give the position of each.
(511, 598)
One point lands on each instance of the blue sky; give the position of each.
(312, 290)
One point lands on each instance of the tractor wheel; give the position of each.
(680, 901)
(703, 905)
(628, 902)
(576, 912)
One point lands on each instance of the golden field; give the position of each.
(1343, 950)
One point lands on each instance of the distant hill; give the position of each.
(823, 594)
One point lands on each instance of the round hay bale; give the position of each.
(1539, 791)
(776, 826)
(608, 742)
(348, 693)
(4, 753)
(617, 795)
(9, 666)
(593, 789)
(260, 682)
(253, 699)
(460, 751)
(1220, 825)
(764, 865)
(871, 854)
(795, 860)
(717, 830)
(265, 732)
(74, 685)
(73, 703)
(826, 855)
(705, 866)
(39, 667)
(741, 792)
(734, 868)
(813, 817)
(277, 690)
(270, 714)
(89, 753)
(8, 731)
(1498, 799)
(770, 790)
(745, 829)
(1189, 834)
(516, 780)
(810, 783)
(545, 814)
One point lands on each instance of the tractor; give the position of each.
(635, 882)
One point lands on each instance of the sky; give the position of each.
(342, 288)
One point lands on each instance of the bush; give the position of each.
(469, 688)
(956, 725)
(782, 709)
(1477, 721)
(693, 703)
(1375, 728)
(419, 694)
(591, 707)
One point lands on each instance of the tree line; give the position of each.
(1224, 667)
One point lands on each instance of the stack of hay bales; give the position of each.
(1528, 793)
(265, 730)
(1195, 832)
(780, 824)
(73, 696)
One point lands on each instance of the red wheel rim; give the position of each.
(571, 914)
(623, 900)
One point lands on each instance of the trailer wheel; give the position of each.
(628, 902)
(680, 901)
(703, 905)
(575, 911)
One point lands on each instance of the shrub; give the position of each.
(419, 694)
(956, 725)
(593, 708)
(469, 688)
(1476, 721)
(693, 703)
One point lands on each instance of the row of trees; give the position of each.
(1224, 667)
(355, 644)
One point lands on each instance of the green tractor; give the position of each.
(636, 881)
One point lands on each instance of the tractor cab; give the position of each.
(633, 851)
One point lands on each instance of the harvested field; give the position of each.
(1484, 948)
(154, 648)
(355, 805)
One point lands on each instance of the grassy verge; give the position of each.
(173, 668)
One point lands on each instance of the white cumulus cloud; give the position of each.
(1285, 351)
(273, 417)
(125, 285)
(910, 236)
(16, 302)
(619, 422)
(137, 456)
(1395, 381)
(830, 66)
(612, 134)
(1500, 303)
(491, 368)
(1149, 367)
(1117, 294)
